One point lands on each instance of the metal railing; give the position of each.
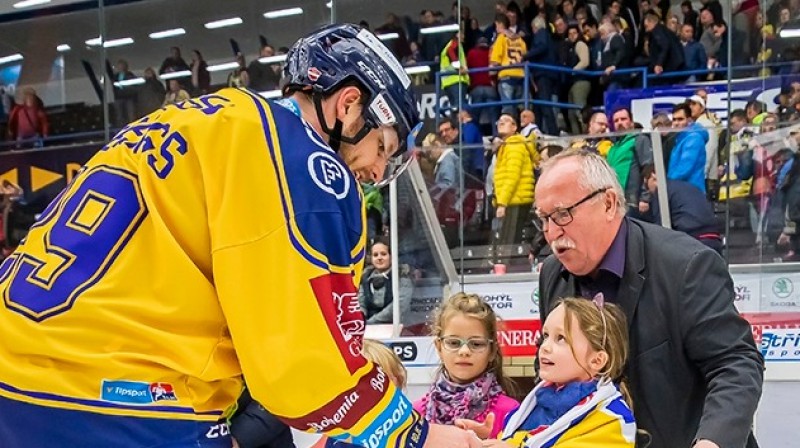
(642, 72)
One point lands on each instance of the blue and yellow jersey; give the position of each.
(212, 238)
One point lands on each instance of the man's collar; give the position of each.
(614, 259)
(445, 152)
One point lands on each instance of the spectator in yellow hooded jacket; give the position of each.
(513, 180)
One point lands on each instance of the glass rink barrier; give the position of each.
(708, 147)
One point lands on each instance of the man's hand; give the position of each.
(705, 444)
(783, 240)
(494, 443)
(643, 207)
(441, 436)
(658, 69)
(610, 69)
(482, 430)
(501, 212)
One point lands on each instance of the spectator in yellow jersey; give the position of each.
(507, 50)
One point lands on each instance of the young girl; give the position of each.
(578, 403)
(469, 390)
(391, 364)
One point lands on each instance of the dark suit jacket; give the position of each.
(693, 367)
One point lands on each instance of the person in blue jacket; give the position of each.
(472, 139)
(688, 158)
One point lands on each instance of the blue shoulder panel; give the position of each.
(321, 199)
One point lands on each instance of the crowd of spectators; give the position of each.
(160, 89)
(580, 39)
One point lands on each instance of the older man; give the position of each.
(597, 141)
(694, 370)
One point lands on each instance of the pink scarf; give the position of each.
(447, 401)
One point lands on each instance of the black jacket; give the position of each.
(693, 367)
(665, 50)
(254, 427)
(689, 209)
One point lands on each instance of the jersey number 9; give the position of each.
(73, 244)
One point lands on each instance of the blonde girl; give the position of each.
(390, 363)
(581, 400)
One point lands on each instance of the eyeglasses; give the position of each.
(563, 216)
(475, 345)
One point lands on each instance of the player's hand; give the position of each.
(644, 206)
(783, 240)
(494, 443)
(705, 444)
(482, 430)
(235, 443)
(501, 212)
(442, 436)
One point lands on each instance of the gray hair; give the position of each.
(595, 174)
(660, 120)
(538, 23)
(608, 27)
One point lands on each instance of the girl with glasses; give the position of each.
(582, 399)
(470, 389)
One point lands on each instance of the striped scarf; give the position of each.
(601, 419)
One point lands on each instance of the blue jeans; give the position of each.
(510, 89)
(485, 94)
(546, 115)
(456, 95)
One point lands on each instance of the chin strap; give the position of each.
(335, 137)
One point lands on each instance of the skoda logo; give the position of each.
(782, 288)
(329, 174)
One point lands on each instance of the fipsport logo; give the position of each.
(136, 392)
(329, 174)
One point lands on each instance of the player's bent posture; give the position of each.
(217, 237)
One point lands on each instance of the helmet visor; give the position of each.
(402, 157)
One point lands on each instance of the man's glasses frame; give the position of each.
(563, 216)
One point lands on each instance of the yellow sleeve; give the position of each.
(603, 147)
(498, 50)
(535, 156)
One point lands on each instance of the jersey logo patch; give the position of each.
(136, 392)
(338, 301)
(329, 174)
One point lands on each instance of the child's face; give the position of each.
(557, 364)
(464, 365)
